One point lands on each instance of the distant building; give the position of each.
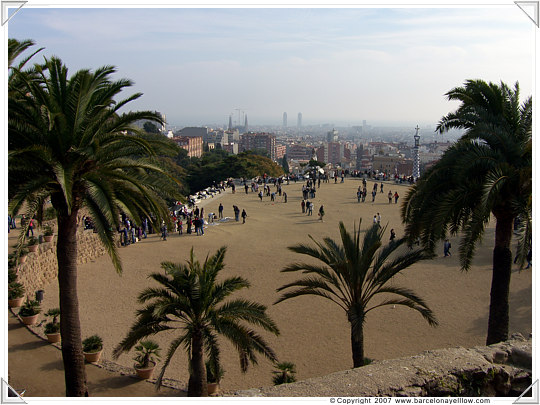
(281, 150)
(332, 136)
(285, 120)
(298, 152)
(259, 140)
(299, 122)
(193, 131)
(193, 144)
(231, 148)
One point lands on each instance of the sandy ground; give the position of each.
(315, 334)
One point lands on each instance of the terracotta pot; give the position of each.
(48, 238)
(22, 259)
(16, 302)
(53, 337)
(33, 248)
(213, 388)
(145, 373)
(92, 357)
(29, 320)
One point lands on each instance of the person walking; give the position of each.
(447, 245)
(310, 208)
(284, 196)
(303, 205)
(244, 215)
(390, 197)
(396, 196)
(163, 230)
(392, 235)
(321, 213)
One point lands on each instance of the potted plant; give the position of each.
(15, 294)
(148, 352)
(48, 234)
(92, 348)
(12, 275)
(23, 253)
(32, 244)
(29, 312)
(52, 329)
(214, 374)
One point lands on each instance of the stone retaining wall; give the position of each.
(503, 369)
(42, 267)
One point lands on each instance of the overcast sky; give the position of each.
(335, 65)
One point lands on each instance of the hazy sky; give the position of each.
(337, 65)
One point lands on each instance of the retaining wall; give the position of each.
(41, 267)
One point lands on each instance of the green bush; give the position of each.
(285, 373)
(15, 290)
(49, 213)
(32, 240)
(214, 372)
(52, 327)
(92, 344)
(30, 308)
(47, 230)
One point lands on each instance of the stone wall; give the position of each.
(503, 369)
(42, 267)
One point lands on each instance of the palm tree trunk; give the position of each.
(197, 386)
(70, 326)
(500, 282)
(357, 344)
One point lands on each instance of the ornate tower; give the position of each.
(230, 121)
(416, 156)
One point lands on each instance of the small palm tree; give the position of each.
(285, 373)
(191, 301)
(148, 351)
(352, 274)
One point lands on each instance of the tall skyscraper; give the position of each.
(246, 125)
(299, 123)
(230, 122)
(284, 119)
(416, 155)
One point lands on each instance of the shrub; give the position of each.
(52, 327)
(47, 230)
(32, 240)
(55, 313)
(15, 290)
(30, 308)
(92, 344)
(12, 275)
(214, 372)
(49, 213)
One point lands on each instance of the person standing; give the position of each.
(379, 219)
(392, 235)
(244, 215)
(163, 231)
(220, 210)
(310, 208)
(303, 205)
(284, 196)
(396, 196)
(390, 197)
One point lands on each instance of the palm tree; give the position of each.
(69, 144)
(285, 373)
(488, 171)
(191, 300)
(352, 274)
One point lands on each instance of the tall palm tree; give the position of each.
(488, 171)
(191, 300)
(69, 144)
(352, 274)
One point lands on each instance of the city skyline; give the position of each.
(335, 65)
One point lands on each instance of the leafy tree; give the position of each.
(352, 275)
(191, 300)
(488, 171)
(69, 144)
(150, 127)
(285, 164)
(314, 163)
